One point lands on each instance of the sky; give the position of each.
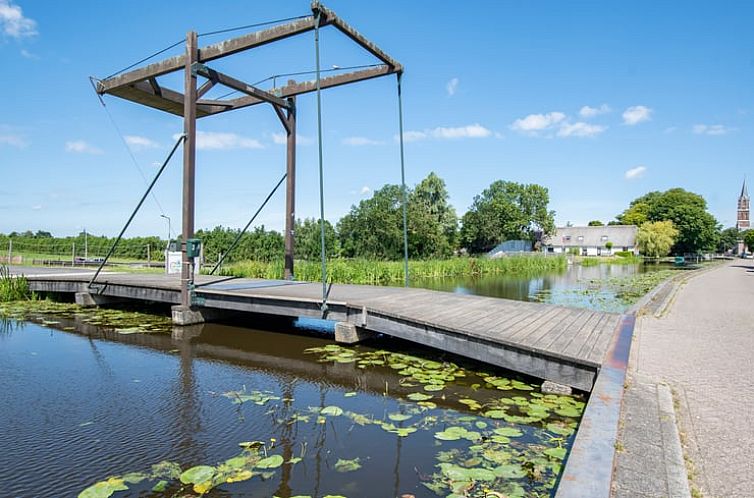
(600, 102)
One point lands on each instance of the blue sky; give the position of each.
(598, 101)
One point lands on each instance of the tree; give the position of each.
(374, 228)
(697, 228)
(506, 211)
(655, 238)
(595, 223)
(749, 239)
(728, 239)
(309, 239)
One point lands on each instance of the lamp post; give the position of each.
(167, 247)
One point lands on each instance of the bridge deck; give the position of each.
(566, 345)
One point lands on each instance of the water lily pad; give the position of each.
(434, 387)
(557, 453)
(508, 432)
(271, 462)
(332, 411)
(509, 471)
(398, 417)
(198, 474)
(497, 414)
(347, 465)
(568, 411)
(349, 395)
(241, 475)
(419, 396)
(160, 487)
(104, 489)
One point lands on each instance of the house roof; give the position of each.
(619, 235)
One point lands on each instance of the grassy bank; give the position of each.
(361, 271)
(610, 260)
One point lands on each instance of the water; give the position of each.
(578, 286)
(82, 402)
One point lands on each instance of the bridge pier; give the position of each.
(185, 316)
(348, 333)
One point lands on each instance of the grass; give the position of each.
(610, 260)
(362, 271)
(13, 288)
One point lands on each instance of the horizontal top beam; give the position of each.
(209, 53)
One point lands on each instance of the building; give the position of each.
(593, 241)
(742, 218)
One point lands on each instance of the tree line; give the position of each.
(372, 229)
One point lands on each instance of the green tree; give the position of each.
(595, 223)
(697, 228)
(309, 239)
(374, 228)
(506, 211)
(749, 239)
(728, 239)
(655, 238)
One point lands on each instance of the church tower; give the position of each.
(742, 220)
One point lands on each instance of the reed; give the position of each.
(362, 271)
(13, 288)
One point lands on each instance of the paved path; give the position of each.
(704, 349)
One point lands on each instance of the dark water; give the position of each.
(85, 403)
(578, 286)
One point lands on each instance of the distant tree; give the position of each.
(374, 227)
(41, 234)
(728, 239)
(309, 239)
(613, 222)
(506, 211)
(656, 238)
(608, 245)
(595, 223)
(748, 236)
(697, 228)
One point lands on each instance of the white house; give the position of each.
(593, 241)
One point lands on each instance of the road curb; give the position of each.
(675, 468)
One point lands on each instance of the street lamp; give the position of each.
(167, 247)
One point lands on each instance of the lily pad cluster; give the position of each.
(49, 313)
(250, 463)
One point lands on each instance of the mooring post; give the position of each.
(189, 166)
(290, 190)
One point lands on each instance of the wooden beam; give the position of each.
(293, 89)
(206, 87)
(209, 53)
(238, 85)
(168, 100)
(331, 18)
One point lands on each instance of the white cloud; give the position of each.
(702, 129)
(282, 139)
(590, 112)
(140, 143)
(534, 123)
(580, 129)
(211, 140)
(13, 140)
(636, 114)
(414, 136)
(36, 207)
(359, 141)
(13, 22)
(365, 190)
(452, 87)
(81, 147)
(28, 55)
(448, 133)
(635, 173)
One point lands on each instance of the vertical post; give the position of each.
(10, 251)
(403, 181)
(73, 254)
(189, 165)
(290, 190)
(86, 246)
(149, 257)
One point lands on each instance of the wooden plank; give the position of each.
(559, 341)
(357, 37)
(239, 85)
(295, 88)
(552, 328)
(586, 339)
(601, 345)
(495, 319)
(523, 327)
(208, 53)
(574, 342)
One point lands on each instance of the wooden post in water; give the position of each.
(189, 165)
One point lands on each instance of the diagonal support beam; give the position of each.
(239, 85)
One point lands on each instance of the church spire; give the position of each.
(744, 192)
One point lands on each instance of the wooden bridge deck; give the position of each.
(565, 345)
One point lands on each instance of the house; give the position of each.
(593, 241)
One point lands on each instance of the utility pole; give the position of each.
(10, 251)
(86, 247)
(149, 257)
(73, 254)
